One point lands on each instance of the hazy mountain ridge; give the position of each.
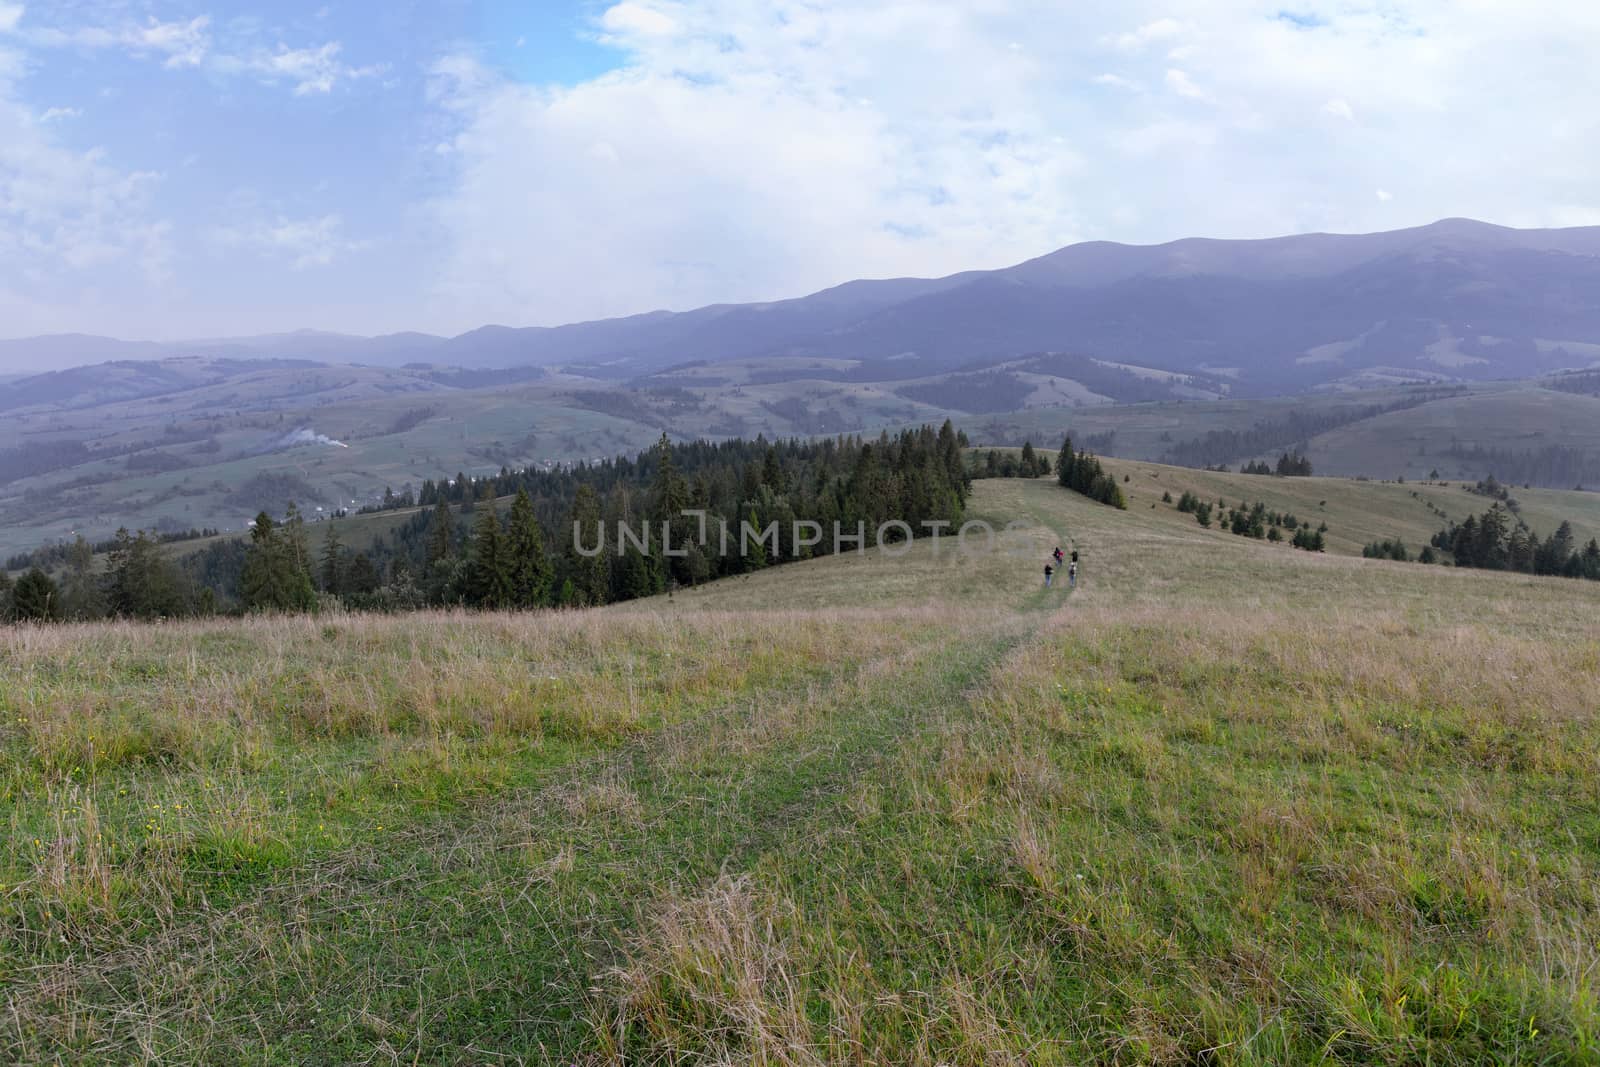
(1458, 299)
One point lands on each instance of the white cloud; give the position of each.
(70, 223)
(304, 243)
(59, 114)
(635, 19)
(1180, 82)
(10, 17)
(1339, 108)
(1385, 195)
(1116, 81)
(309, 70)
(758, 151)
(1165, 29)
(189, 44)
(177, 44)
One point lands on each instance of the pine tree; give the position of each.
(489, 569)
(141, 582)
(772, 471)
(275, 576)
(35, 598)
(1029, 461)
(333, 562)
(530, 565)
(5, 596)
(590, 574)
(361, 577)
(293, 534)
(669, 498)
(441, 533)
(1065, 464)
(81, 597)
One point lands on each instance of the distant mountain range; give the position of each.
(1454, 300)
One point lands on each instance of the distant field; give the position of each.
(1357, 512)
(171, 444)
(1224, 803)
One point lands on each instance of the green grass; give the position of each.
(1224, 803)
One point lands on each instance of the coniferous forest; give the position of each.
(536, 538)
(1499, 540)
(1082, 473)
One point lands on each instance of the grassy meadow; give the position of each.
(1224, 803)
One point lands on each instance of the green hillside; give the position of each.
(1224, 802)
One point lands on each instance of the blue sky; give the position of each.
(182, 168)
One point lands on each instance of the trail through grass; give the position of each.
(1225, 803)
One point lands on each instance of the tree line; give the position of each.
(1253, 520)
(1498, 540)
(1082, 473)
(557, 541)
(994, 463)
(1290, 465)
(1552, 467)
(1222, 446)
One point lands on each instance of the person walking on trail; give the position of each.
(1048, 572)
(1057, 555)
(1074, 556)
(1072, 576)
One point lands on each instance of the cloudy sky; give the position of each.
(191, 168)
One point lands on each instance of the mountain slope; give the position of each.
(1454, 300)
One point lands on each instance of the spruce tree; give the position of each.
(772, 471)
(35, 598)
(590, 574)
(275, 575)
(441, 533)
(81, 596)
(332, 562)
(293, 534)
(530, 565)
(489, 567)
(669, 498)
(142, 583)
(5, 596)
(361, 577)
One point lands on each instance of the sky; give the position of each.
(210, 168)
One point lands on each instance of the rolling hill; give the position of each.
(1225, 802)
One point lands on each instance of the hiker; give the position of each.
(1057, 555)
(1048, 571)
(1074, 557)
(1072, 576)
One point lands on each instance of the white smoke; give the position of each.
(296, 438)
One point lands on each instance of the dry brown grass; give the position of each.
(1226, 803)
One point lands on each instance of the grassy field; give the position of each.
(1224, 803)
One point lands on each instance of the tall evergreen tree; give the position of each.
(530, 564)
(293, 533)
(489, 566)
(1030, 462)
(35, 598)
(275, 577)
(361, 578)
(332, 561)
(441, 533)
(772, 470)
(141, 582)
(5, 596)
(590, 574)
(81, 596)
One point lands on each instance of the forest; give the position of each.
(1499, 540)
(527, 538)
